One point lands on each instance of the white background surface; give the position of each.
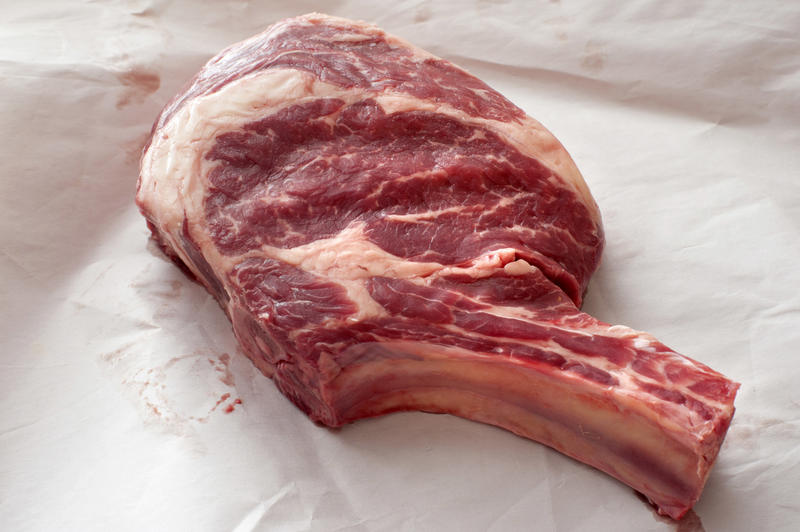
(683, 117)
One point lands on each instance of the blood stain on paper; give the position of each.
(139, 83)
(172, 291)
(154, 288)
(559, 25)
(134, 148)
(231, 407)
(175, 394)
(224, 397)
(422, 13)
(594, 57)
(222, 365)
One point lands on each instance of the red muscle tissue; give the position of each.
(386, 232)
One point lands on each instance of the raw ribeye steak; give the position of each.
(386, 232)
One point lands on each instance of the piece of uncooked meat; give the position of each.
(386, 232)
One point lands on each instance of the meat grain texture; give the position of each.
(386, 232)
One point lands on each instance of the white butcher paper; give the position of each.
(125, 403)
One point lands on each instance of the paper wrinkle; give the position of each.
(10, 430)
(257, 515)
(682, 118)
